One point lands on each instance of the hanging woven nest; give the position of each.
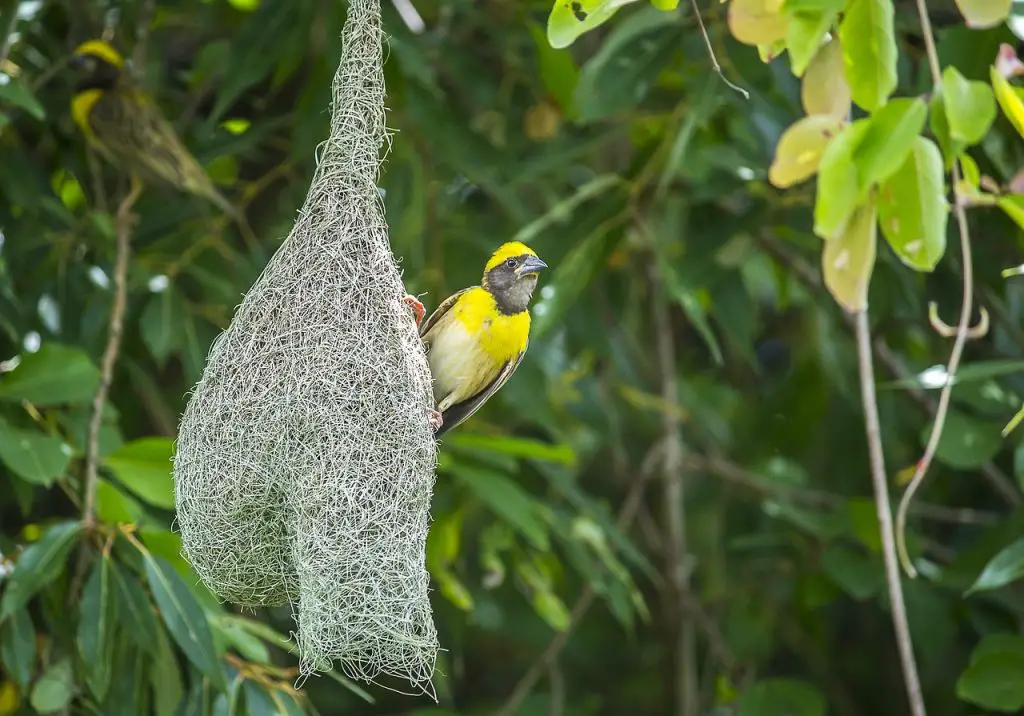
(305, 461)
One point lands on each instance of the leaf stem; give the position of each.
(962, 329)
(901, 626)
(115, 329)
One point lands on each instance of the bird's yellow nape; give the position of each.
(507, 251)
(102, 50)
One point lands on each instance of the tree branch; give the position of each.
(963, 326)
(114, 332)
(881, 487)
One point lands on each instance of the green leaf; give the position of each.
(571, 18)
(551, 609)
(912, 208)
(838, 185)
(507, 500)
(558, 71)
(888, 141)
(619, 74)
(966, 443)
(165, 676)
(144, 466)
(96, 627)
(970, 107)
(869, 51)
(559, 453)
(939, 124)
(691, 305)
(1013, 206)
(55, 687)
(452, 589)
(1010, 99)
(18, 647)
(41, 563)
(236, 634)
(17, 93)
(184, 618)
(757, 22)
(115, 507)
(54, 375)
(33, 455)
(781, 697)
(135, 611)
(983, 14)
(801, 148)
(1006, 567)
(849, 259)
(824, 89)
(162, 324)
(992, 681)
(805, 32)
(855, 573)
(244, 5)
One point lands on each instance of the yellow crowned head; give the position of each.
(507, 251)
(100, 50)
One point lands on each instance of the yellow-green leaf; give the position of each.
(1013, 206)
(970, 107)
(1010, 100)
(571, 18)
(800, 149)
(888, 140)
(869, 51)
(824, 89)
(806, 31)
(144, 466)
(838, 184)
(665, 4)
(849, 258)
(757, 22)
(984, 14)
(912, 207)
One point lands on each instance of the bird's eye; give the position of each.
(512, 263)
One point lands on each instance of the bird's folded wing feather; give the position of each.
(461, 411)
(434, 317)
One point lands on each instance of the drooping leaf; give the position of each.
(518, 447)
(838, 183)
(888, 140)
(165, 676)
(96, 627)
(801, 148)
(41, 563)
(824, 89)
(912, 207)
(33, 455)
(114, 506)
(1010, 99)
(53, 375)
(507, 500)
(781, 697)
(53, 691)
(144, 466)
(983, 14)
(757, 22)
(135, 610)
(869, 51)
(162, 323)
(17, 93)
(1006, 567)
(970, 107)
(558, 71)
(185, 619)
(18, 647)
(849, 259)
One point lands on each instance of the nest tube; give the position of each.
(305, 461)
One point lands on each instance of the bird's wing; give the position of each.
(434, 317)
(461, 411)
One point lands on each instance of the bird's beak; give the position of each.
(531, 264)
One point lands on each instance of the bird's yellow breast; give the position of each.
(501, 337)
(81, 105)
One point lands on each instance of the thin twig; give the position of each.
(539, 667)
(881, 487)
(114, 332)
(684, 649)
(711, 53)
(963, 326)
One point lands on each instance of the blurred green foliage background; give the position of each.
(666, 511)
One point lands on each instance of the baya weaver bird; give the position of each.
(477, 337)
(127, 128)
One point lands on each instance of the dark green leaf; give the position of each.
(913, 210)
(17, 93)
(185, 619)
(966, 442)
(18, 647)
(135, 610)
(781, 697)
(557, 70)
(40, 563)
(144, 466)
(33, 455)
(53, 691)
(507, 500)
(869, 51)
(857, 574)
(162, 324)
(992, 681)
(1005, 568)
(165, 676)
(96, 627)
(55, 374)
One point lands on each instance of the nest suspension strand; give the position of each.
(305, 462)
